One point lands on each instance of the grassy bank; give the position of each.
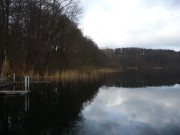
(70, 75)
(73, 75)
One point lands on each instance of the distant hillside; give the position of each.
(144, 58)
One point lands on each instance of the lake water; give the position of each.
(128, 103)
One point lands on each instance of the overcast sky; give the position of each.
(132, 23)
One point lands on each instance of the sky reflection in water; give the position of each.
(133, 111)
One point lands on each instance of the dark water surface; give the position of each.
(127, 103)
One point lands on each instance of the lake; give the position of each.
(127, 103)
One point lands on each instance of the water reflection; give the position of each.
(12, 114)
(125, 103)
(142, 78)
(26, 103)
(50, 109)
(116, 111)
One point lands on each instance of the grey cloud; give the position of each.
(141, 111)
(172, 3)
(163, 3)
(158, 28)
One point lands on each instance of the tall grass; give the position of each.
(5, 66)
(74, 75)
(4, 69)
(85, 74)
(70, 75)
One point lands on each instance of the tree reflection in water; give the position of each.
(56, 108)
(53, 109)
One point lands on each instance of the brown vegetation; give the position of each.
(5, 66)
(41, 38)
(71, 75)
(44, 35)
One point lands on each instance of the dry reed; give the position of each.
(5, 66)
(71, 75)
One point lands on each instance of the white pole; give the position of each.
(25, 83)
(28, 82)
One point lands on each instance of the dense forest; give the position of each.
(138, 58)
(43, 35)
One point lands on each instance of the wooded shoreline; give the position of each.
(42, 39)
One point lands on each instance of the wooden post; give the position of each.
(28, 82)
(25, 83)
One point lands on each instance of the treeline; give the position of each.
(138, 58)
(44, 35)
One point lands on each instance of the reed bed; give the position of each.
(85, 74)
(70, 75)
(5, 66)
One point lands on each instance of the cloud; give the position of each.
(161, 3)
(134, 111)
(137, 23)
